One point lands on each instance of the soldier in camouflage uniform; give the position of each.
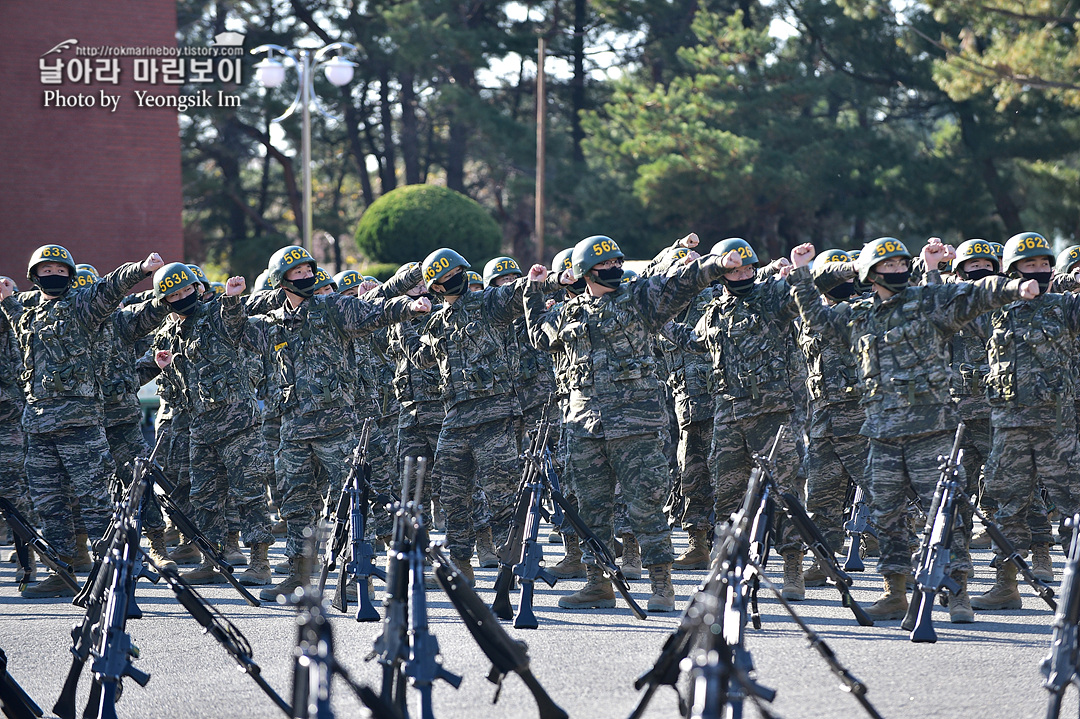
(746, 330)
(614, 420)
(227, 455)
(67, 452)
(900, 338)
(836, 453)
(311, 341)
(119, 380)
(1032, 397)
(13, 484)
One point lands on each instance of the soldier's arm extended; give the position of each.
(234, 323)
(541, 324)
(103, 297)
(146, 367)
(831, 275)
(12, 310)
(503, 305)
(135, 321)
(397, 285)
(818, 317)
(956, 304)
(684, 337)
(357, 317)
(668, 257)
(262, 302)
(661, 297)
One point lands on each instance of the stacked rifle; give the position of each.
(15, 703)
(521, 554)
(714, 621)
(28, 542)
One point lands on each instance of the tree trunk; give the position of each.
(410, 142)
(388, 171)
(577, 83)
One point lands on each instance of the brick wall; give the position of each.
(106, 185)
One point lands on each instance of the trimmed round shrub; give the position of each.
(408, 223)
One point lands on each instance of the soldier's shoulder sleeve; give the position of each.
(95, 303)
(541, 324)
(135, 321)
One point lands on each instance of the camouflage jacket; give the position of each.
(416, 388)
(902, 347)
(749, 341)
(535, 374)
(690, 373)
(312, 350)
(472, 342)
(11, 394)
(1032, 351)
(116, 355)
(56, 339)
(613, 377)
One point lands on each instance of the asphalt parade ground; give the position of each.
(587, 660)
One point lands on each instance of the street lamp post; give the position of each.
(271, 73)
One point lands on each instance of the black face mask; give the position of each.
(610, 277)
(305, 286)
(1043, 278)
(974, 275)
(894, 281)
(54, 285)
(454, 286)
(842, 292)
(185, 305)
(741, 288)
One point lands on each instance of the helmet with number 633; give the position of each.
(49, 253)
(875, 251)
(592, 251)
(173, 277)
(1025, 246)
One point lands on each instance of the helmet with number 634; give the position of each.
(173, 277)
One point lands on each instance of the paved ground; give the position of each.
(587, 661)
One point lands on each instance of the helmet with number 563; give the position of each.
(1025, 246)
(875, 251)
(592, 251)
(173, 277)
(974, 250)
(284, 260)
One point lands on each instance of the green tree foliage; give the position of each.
(410, 222)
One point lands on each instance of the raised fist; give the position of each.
(152, 262)
(537, 273)
(234, 286)
(163, 358)
(420, 305)
(801, 255)
(731, 260)
(690, 241)
(7, 288)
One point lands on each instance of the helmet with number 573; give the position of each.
(1025, 246)
(879, 250)
(173, 277)
(286, 259)
(592, 251)
(500, 267)
(49, 253)
(1068, 257)
(974, 250)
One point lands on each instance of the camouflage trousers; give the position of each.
(126, 442)
(637, 464)
(13, 484)
(1020, 459)
(486, 455)
(234, 466)
(695, 440)
(731, 459)
(175, 454)
(67, 466)
(271, 434)
(895, 467)
(420, 440)
(566, 478)
(977, 443)
(832, 463)
(312, 469)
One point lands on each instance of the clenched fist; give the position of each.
(163, 358)
(420, 305)
(537, 273)
(152, 262)
(235, 286)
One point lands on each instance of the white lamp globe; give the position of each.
(339, 71)
(270, 73)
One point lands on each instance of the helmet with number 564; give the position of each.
(592, 251)
(1025, 246)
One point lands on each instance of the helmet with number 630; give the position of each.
(173, 277)
(876, 251)
(49, 253)
(500, 267)
(974, 250)
(284, 260)
(1025, 246)
(440, 262)
(592, 251)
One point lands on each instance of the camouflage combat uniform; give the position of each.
(13, 484)
(901, 345)
(67, 452)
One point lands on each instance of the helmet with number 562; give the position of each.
(173, 277)
(592, 251)
(284, 260)
(1025, 246)
(875, 251)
